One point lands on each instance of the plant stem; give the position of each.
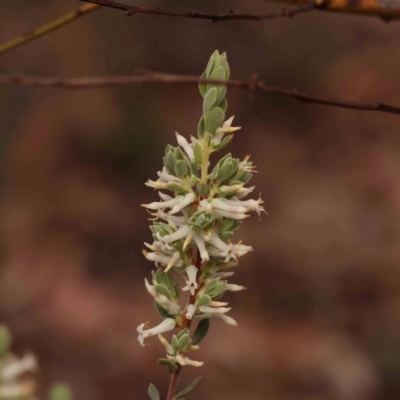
(43, 30)
(206, 156)
(173, 384)
(188, 322)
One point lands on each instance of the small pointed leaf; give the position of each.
(201, 331)
(153, 392)
(187, 390)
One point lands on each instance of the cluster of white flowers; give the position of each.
(14, 382)
(193, 224)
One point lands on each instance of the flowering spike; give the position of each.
(199, 210)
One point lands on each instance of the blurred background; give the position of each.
(321, 317)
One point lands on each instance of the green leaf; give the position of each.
(200, 129)
(203, 301)
(153, 392)
(201, 331)
(184, 342)
(60, 391)
(211, 286)
(164, 313)
(169, 364)
(209, 100)
(161, 289)
(174, 342)
(183, 332)
(212, 62)
(175, 187)
(213, 120)
(198, 153)
(181, 168)
(219, 75)
(223, 105)
(203, 86)
(226, 235)
(224, 143)
(187, 390)
(202, 189)
(169, 162)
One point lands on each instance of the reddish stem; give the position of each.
(187, 323)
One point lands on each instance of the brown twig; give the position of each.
(387, 10)
(253, 85)
(43, 30)
(231, 16)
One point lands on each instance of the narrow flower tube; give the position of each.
(172, 261)
(186, 361)
(229, 214)
(202, 248)
(185, 145)
(165, 326)
(212, 310)
(183, 202)
(234, 288)
(166, 177)
(221, 204)
(227, 319)
(156, 184)
(157, 257)
(181, 233)
(164, 204)
(164, 342)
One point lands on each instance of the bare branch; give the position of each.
(232, 15)
(252, 86)
(43, 30)
(388, 10)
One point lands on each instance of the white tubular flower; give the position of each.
(234, 288)
(150, 288)
(181, 233)
(189, 239)
(172, 261)
(212, 310)
(14, 367)
(226, 126)
(228, 214)
(243, 192)
(185, 145)
(164, 196)
(186, 361)
(172, 307)
(190, 311)
(156, 184)
(182, 203)
(165, 326)
(241, 249)
(164, 342)
(249, 205)
(218, 304)
(227, 319)
(167, 177)
(162, 243)
(202, 247)
(221, 204)
(164, 259)
(172, 220)
(191, 283)
(164, 204)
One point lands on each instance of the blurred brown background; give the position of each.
(321, 317)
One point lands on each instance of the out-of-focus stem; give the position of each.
(44, 29)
